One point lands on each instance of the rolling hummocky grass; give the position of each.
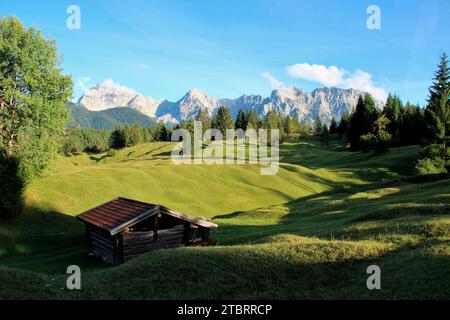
(308, 232)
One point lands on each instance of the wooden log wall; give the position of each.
(138, 243)
(102, 245)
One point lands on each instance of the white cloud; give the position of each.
(337, 77)
(363, 81)
(110, 84)
(329, 76)
(84, 83)
(274, 82)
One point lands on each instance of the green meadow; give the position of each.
(309, 232)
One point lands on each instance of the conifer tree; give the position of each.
(289, 127)
(296, 123)
(252, 119)
(324, 136)
(361, 121)
(223, 120)
(203, 116)
(318, 126)
(343, 124)
(436, 156)
(437, 112)
(271, 120)
(241, 122)
(333, 126)
(160, 132)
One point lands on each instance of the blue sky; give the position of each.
(229, 48)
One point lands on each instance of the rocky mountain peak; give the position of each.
(107, 95)
(324, 102)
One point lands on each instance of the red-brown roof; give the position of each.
(117, 214)
(114, 216)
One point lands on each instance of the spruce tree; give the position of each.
(437, 113)
(118, 139)
(165, 134)
(361, 121)
(271, 120)
(223, 120)
(343, 124)
(160, 132)
(436, 156)
(324, 136)
(318, 126)
(393, 107)
(333, 126)
(241, 122)
(296, 123)
(394, 110)
(281, 118)
(252, 119)
(203, 116)
(289, 127)
(412, 126)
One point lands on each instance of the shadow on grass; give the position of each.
(308, 153)
(44, 241)
(288, 269)
(156, 149)
(328, 213)
(98, 159)
(284, 268)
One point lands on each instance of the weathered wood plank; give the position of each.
(102, 240)
(172, 236)
(97, 235)
(99, 246)
(138, 237)
(153, 247)
(102, 253)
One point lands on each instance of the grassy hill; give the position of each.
(106, 119)
(309, 232)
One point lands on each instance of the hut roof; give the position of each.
(197, 221)
(116, 215)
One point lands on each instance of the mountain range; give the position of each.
(323, 102)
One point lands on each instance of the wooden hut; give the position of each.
(122, 229)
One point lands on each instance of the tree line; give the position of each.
(223, 120)
(128, 136)
(396, 124)
(79, 140)
(370, 128)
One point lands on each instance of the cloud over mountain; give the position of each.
(333, 76)
(274, 82)
(329, 76)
